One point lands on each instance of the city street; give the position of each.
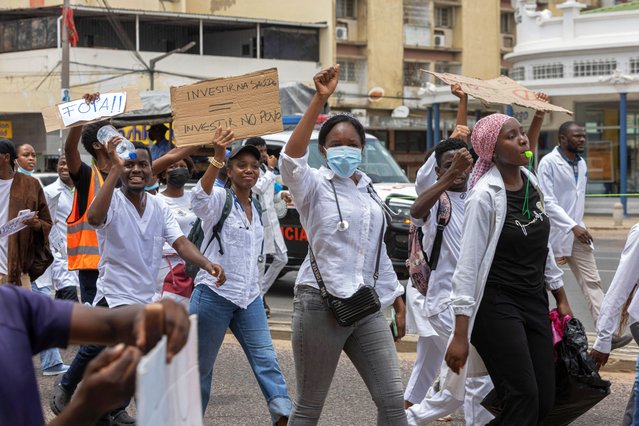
(236, 398)
(608, 247)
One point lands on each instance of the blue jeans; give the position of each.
(215, 315)
(51, 357)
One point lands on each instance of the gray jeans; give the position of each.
(318, 341)
(630, 408)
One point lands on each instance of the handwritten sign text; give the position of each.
(248, 104)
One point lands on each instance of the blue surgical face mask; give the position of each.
(343, 160)
(24, 172)
(152, 187)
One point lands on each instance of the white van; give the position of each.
(389, 181)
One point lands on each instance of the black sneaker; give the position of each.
(122, 418)
(620, 341)
(61, 398)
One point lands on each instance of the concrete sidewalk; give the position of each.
(622, 359)
(597, 222)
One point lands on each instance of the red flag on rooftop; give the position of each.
(67, 15)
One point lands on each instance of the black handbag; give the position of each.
(361, 304)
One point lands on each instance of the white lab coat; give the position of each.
(484, 218)
(625, 279)
(565, 199)
(265, 188)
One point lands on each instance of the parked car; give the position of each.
(45, 178)
(389, 181)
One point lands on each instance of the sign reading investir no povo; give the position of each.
(248, 104)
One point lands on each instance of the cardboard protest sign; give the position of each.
(248, 104)
(78, 112)
(169, 394)
(500, 90)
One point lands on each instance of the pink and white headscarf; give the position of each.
(484, 139)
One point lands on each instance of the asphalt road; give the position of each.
(236, 398)
(608, 247)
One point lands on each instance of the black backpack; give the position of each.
(196, 236)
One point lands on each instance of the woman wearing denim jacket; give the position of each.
(499, 286)
(343, 219)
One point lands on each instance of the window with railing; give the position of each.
(350, 71)
(443, 17)
(546, 71)
(594, 67)
(413, 74)
(506, 22)
(517, 73)
(633, 66)
(346, 9)
(416, 13)
(449, 67)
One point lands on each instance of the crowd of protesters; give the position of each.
(107, 235)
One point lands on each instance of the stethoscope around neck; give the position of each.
(343, 224)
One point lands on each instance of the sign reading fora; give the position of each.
(78, 112)
(248, 104)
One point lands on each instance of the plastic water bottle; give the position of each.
(124, 149)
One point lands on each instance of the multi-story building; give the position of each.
(116, 48)
(382, 47)
(588, 62)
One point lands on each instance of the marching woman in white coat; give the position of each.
(621, 288)
(499, 287)
(345, 223)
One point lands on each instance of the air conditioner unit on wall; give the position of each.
(341, 32)
(443, 37)
(507, 41)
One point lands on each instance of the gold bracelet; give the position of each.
(216, 163)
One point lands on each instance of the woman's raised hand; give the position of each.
(222, 138)
(326, 81)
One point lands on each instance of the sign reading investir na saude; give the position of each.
(248, 104)
(500, 90)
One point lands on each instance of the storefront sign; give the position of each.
(248, 104)
(600, 161)
(6, 129)
(500, 90)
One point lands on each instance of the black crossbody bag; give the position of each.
(361, 304)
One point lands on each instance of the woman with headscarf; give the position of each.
(504, 269)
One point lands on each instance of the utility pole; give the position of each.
(64, 76)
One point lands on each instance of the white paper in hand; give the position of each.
(16, 224)
(169, 394)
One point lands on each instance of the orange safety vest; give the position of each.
(82, 240)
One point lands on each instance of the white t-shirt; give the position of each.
(131, 249)
(181, 208)
(5, 187)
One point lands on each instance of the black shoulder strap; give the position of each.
(315, 268)
(226, 211)
(444, 212)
